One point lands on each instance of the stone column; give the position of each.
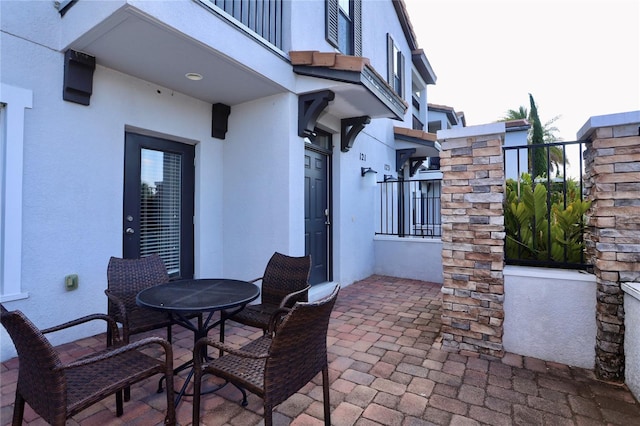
(612, 182)
(473, 239)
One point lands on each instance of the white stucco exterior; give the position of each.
(395, 257)
(72, 186)
(249, 187)
(550, 314)
(632, 336)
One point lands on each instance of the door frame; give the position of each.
(329, 185)
(132, 164)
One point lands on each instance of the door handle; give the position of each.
(129, 231)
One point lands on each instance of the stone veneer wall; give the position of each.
(473, 241)
(612, 169)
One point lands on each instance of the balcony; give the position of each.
(181, 37)
(264, 18)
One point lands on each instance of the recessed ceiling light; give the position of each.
(193, 76)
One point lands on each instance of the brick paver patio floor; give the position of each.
(386, 368)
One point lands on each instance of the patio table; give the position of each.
(197, 296)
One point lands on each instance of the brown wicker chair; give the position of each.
(278, 364)
(125, 279)
(285, 282)
(57, 391)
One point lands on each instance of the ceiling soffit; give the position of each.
(136, 44)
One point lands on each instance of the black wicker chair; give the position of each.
(285, 282)
(125, 279)
(278, 364)
(57, 390)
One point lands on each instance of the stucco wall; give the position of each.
(73, 180)
(550, 314)
(249, 195)
(415, 258)
(353, 216)
(632, 336)
(263, 186)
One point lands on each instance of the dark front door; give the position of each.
(317, 215)
(158, 202)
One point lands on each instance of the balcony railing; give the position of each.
(262, 17)
(409, 208)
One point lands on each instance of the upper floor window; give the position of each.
(434, 126)
(418, 116)
(418, 100)
(344, 25)
(395, 62)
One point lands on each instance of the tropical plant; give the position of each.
(556, 154)
(538, 159)
(543, 225)
(522, 113)
(549, 130)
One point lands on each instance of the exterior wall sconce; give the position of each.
(391, 178)
(309, 135)
(365, 170)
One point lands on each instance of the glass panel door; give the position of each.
(160, 206)
(158, 202)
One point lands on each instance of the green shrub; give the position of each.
(531, 234)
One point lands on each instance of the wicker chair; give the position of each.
(57, 390)
(278, 364)
(125, 279)
(285, 282)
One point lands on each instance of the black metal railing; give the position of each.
(409, 208)
(544, 205)
(263, 17)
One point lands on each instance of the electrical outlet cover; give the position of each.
(71, 282)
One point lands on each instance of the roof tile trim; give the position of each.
(331, 60)
(335, 61)
(413, 133)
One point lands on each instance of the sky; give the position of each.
(577, 58)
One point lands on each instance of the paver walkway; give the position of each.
(386, 368)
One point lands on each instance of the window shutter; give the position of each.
(402, 79)
(390, 60)
(331, 21)
(357, 27)
(395, 67)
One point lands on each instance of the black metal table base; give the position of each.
(202, 330)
